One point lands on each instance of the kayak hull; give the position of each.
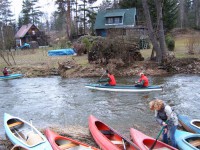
(184, 140)
(24, 134)
(191, 125)
(145, 142)
(108, 138)
(123, 88)
(59, 142)
(11, 76)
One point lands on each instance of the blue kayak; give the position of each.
(11, 76)
(24, 134)
(61, 52)
(187, 141)
(191, 125)
(124, 88)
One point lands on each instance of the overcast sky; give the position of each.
(47, 6)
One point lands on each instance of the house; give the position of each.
(117, 19)
(30, 34)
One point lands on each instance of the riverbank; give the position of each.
(73, 69)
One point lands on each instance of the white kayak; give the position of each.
(124, 88)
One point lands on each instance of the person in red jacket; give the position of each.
(111, 79)
(143, 81)
(5, 71)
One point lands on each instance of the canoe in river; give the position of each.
(124, 88)
(187, 141)
(24, 134)
(108, 138)
(59, 142)
(11, 76)
(191, 125)
(145, 142)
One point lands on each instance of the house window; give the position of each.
(114, 20)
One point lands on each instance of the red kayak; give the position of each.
(145, 142)
(107, 138)
(59, 142)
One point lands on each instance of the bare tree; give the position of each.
(68, 20)
(151, 32)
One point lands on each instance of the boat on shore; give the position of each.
(191, 125)
(59, 142)
(11, 76)
(145, 142)
(124, 88)
(17, 147)
(187, 141)
(24, 134)
(107, 138)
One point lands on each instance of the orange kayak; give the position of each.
(107, 138)
(59, 142)
(145, 142)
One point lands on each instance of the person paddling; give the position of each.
(5, 71)
(143, 81)
(167, 118)
(111, 79)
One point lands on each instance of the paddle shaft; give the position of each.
(158, 136)
(102, 75)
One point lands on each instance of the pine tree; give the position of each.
(5, 12)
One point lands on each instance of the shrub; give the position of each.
(170, 43)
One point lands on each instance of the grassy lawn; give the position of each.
(39, 57)
(180, 50)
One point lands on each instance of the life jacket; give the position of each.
(5, 72)
(162, 114)
(112, 80)
(145, 79)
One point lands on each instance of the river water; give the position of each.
(54, 101)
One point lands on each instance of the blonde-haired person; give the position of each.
(166, 117)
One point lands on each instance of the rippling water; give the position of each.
(53, 101)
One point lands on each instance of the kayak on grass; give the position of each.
(11, 76)
(145, 142)
(124, 88)
(108, 138)
(191, 125)
(59, 142)
(24, 134)
(187, 141)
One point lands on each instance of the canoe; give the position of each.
(17, 147)
(11, 76)
(191, 125)
(61, 143)
(123, 88)
(24, 134)
(187, 141)
(145, 142)
(108, 138)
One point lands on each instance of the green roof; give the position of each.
(128, 16)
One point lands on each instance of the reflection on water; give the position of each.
(54, 101)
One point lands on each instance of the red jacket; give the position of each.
(145, 79)
(112, 80)
(5, 72)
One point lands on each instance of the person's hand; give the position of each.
(165, 130)
(164, 124)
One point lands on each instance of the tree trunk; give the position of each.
(68, 20)
(161, 34)
(151, 33)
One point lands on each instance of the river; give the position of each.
(54, 101)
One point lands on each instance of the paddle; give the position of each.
(101, 76)
(157, 137)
